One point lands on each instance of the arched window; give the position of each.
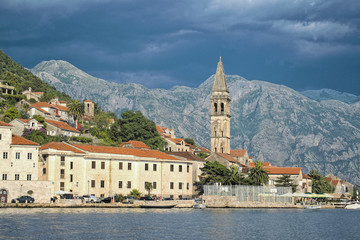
(215, 107)
(222, 150)
(222, 107)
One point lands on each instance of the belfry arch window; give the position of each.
(215, 107)
(222, 107)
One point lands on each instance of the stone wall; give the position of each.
(41, 190)
(232, 202)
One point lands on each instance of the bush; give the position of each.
(81, 139)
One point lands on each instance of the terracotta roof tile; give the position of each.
(61, 125)
(306, 176)
(125, 151)
(135, 144)
(42, 104)
(228, 157)
(187, 155)
(264, 164)
(4, 124)
(17, 140)
(204, 150)
(23, 120)
(283, 170)
(60, 146)
(237, 152)
(61, 108)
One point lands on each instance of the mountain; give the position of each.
(15, 75)
(329, 94)
(273, 122)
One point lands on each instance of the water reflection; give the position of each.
(126, 223)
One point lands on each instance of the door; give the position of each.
(3, 195)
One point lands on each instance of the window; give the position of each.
(129, 166)
(71, 165)
(180, 185)
(5, 155)
(120, 165)
(102, 165)
(171, 168)
(92, 183)
(29, 156)
(0, 136)
(187, 168)
(17, 155)
(17, 176)
(62, 173)
(28, 177)
(180, 168)
(102, 183)
(102, 195)
(62, 186)
(154, 167)
(187, 186)
(128, 184)
(4, 177)
(171, 185)
(71, 178)
(215, 107)
(222, 108)
(12, 164)
(62, 161)
(146, 166)
(44, 170)
(33, 164)
(120, 184)
(154, 185)
(93, 164)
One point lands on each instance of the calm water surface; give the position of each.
(179, 224)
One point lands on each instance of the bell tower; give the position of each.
(220, 113)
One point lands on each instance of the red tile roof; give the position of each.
(237, 152)
(23, 120)
(61, 125)
(187, 155)
(228, 157)
(125, 151)
(204, 150)
(60, 146)
(41, 105)
(135, 144)
(61, 108)
(4, 124)
(306, 176)
(264, 164)
(17, 140)
(283, 170)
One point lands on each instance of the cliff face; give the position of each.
(273, 122)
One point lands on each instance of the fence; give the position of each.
(251, 193)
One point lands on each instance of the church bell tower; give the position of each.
(220, 113)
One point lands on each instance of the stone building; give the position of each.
(220, 113)
(5, 88)
(104, 171)
(32, 95)
(89, 108)
(56, 128)
(19, 167)
(21, 124)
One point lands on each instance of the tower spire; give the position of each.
(220, 79)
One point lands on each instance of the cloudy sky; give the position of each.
(162, 43)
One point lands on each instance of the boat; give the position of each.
(199, 204)
(353, 206)
(157, 206)
(312, 206)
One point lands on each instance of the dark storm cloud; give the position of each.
(301, 44)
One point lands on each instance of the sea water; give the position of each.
(120, 223)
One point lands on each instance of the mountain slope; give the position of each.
(275, 123)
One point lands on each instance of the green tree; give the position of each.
(286, 181)
(148, 187)
(202, 155)
(40, 119)
(258, 175)
(319, 183)
(135, 193)
(190, 141)
(10, 114)
(134, 126)
(76, 110)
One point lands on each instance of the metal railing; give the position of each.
(250, 193)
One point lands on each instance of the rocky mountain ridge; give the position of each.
(273, 122)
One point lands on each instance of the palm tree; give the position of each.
(148, 187)
(258, 175)
(76, 110)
